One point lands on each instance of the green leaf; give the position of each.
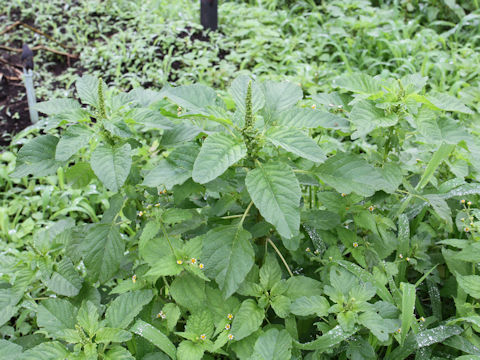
(111, 164)
(440, 155)
(125, 307)
(65, 281)
(359, 83)
(56, 315)
(310, 305)
(367, 117)
(87, 317)
(360, 349)
(436, 130)
(9, 350)
(326, 341)
(274, 344)
(57, 106)
(73, 139)
(155, 336)
(408, 306)
(87, 88)
(180, 133)
(79, 175)
(276, 193)
(106, 335)
(195, 98)
(299, 286)
(270, 272)
(118, 353)
(175, 169)
(279, 96)
(188, 291)
(188, 350)
(470, 284)
(348, 173)
(448, 103)
(296, 142)
(247, 320)
(379, 326)
(102, 250)
(46, 351)
(238, 90)
(37, 157)
(300, 118)
(7, 313)
(228, 256)
(218, 153)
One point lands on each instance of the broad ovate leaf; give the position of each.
(247, 320)
(73, 139)
(174, 169)
(37, 157)
(365, 116)
(228, 256)
(276, 193)
(111, 164)
(125, 307)
(218, 153)
(274, 344)
(102, 250)
(296, 142)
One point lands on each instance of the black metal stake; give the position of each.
(209, 14)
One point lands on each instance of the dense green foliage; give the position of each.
(332, 216)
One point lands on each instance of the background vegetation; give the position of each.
(342, 221)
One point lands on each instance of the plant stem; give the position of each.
(280, 256)
(245, 214)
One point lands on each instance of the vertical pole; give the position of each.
(28, 80)
(209, 14)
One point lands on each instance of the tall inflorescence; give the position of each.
(250, 134)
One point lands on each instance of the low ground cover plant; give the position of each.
(258, 225)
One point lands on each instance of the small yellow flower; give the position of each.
(134, 279)
(330, 258)
(203, 336)
(399, 330)
(227, 327)
(149, 206)
(140, 213)
(400, 256)
(193, 260)
(331, 105)
(467, 229)
(179, 262)
(230, 316)
(343, 194)
(230, 337)
(407, 258)
(355, 244)
(422, 319)
(201, 266)
(462, 219)
(371, 208)
(314, 106)
(316, 252)
(340, 106)
(157, 205)
(307, 249)
(462, 201)
(469, 203)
